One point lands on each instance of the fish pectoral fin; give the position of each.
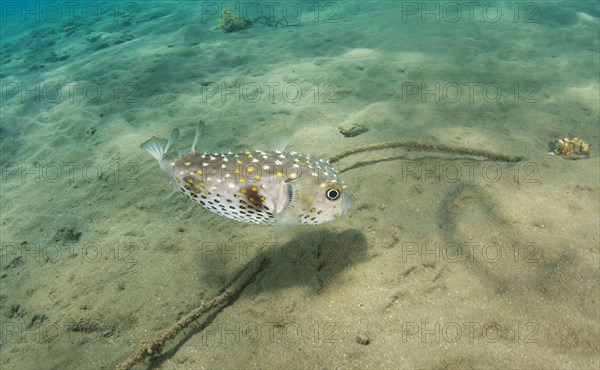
(283, 215)
(284, 223)
(283, 229)
(169, 196)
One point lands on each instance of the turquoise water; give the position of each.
(444, 260)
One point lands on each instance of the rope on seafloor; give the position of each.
(416, 145)
(155, 345)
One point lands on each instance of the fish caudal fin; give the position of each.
(155, 146)
(158, 147)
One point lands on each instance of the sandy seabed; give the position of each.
(444, 261)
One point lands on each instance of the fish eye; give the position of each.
(333, 193)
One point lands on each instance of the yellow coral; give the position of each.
(572, 147)
(232, 23)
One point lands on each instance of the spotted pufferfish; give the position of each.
(260, 187)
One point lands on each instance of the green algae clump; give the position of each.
(232, 23)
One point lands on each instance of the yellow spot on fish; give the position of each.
(238, 161)
(201, 183)
(254, 189)
(243, 191)
(262, 198)
(242, 179)
(279, 174)
(199, 172)
(206, 192)
(190, 181)
(250, 169)
(256, 177)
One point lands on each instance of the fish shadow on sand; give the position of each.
(311, 259)
(311, 256)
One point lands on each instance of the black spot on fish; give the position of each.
(253, 196)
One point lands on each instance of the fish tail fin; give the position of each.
(155, 146)
(158, 147)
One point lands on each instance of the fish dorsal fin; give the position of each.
(200, 130)
(278, 144)
(182, 151)
(172, 139)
